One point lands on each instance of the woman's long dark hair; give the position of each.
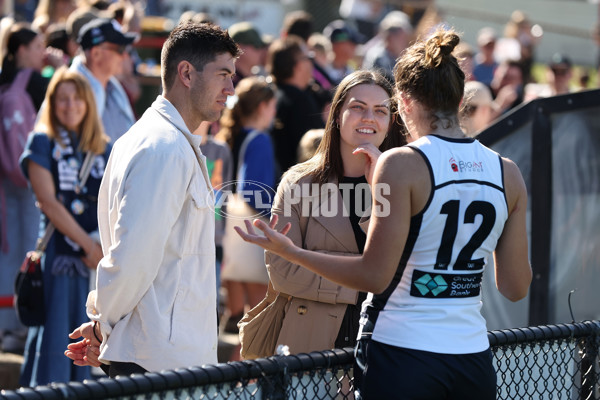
(20, 34)
(327, 161)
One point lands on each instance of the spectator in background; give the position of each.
(519, 42)
(344, 40)
(365, 13)
(68, 128)
(57, 37)
(477, 108)
(244, 127)
(77, 19)
(104, 48)
(507, 86)
(219, 163)
(195, 17)
(24, 53)
(320, 47)
(485, 64)
(129, 16)
(19, 218)
(464, 54)
(297, 108)
(247, 37)
(559, 72)
(25, 48)
(395, 34)
(298, 23)
(309, 144)
(58, 45)
(49, 12)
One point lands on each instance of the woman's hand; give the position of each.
(275, 242)
(372, 153)
(93, 255)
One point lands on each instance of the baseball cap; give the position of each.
(560, 60)
(246, 33)
(485, 36)
(340, 31)
(478, 94)
(395, 20)
(103, 30)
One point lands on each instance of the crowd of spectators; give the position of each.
(297, 71)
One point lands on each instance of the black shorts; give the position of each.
(398, 373)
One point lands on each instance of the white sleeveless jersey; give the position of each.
(434, 302)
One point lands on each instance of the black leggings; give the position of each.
(399, 373)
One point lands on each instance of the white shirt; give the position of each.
(156, 295)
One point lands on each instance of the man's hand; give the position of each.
(86, 351)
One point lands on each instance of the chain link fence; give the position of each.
(544, 362)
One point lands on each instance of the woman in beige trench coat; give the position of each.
(324, 198)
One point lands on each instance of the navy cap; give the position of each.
(102, 30)
(559, 59)
(340, 31)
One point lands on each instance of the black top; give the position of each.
(349, 329)
(297, 112)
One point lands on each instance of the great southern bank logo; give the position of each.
(435, 285)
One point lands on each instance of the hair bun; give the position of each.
(438, 46)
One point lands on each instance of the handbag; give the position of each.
(29, 300)
(260, 327)
(242, 261)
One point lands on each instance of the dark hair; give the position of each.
(299, 23)
(430, 74)
(327, 161)
(251, 92)
(20, 34)
(283, 56)
(199, 44)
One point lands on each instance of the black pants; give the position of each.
(121, 368)
(405, 374)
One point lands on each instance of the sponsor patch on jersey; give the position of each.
(445, 285)
(465, 166)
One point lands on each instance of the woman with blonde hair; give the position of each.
(68, 131)
(450, 203)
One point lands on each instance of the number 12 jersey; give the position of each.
(434, 302)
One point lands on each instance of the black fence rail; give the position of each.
(543, 362)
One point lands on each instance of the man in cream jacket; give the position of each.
(154, 306)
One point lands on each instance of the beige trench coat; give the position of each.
(315, 312)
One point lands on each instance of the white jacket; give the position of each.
(155, 296)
